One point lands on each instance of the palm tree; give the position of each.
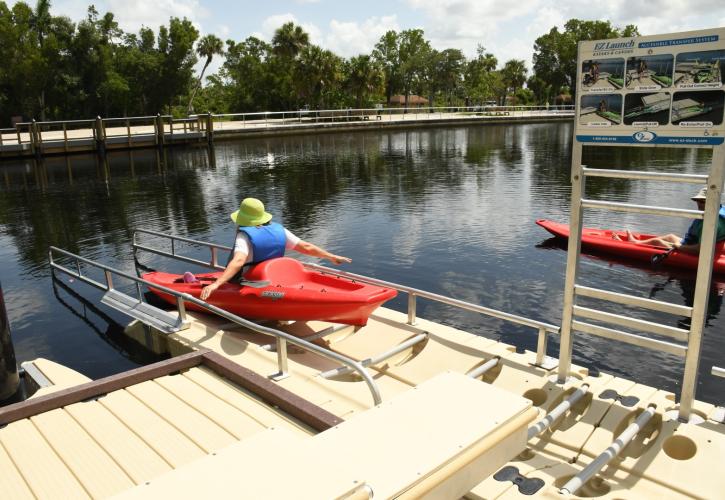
(364, 77)
(41, 22)
(208, 46)
(514, 75)
(316, 70)
(289, 40)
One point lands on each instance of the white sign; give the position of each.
(626, 87)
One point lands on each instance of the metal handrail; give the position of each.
(281, 336)
(413, 293)
(397, 110)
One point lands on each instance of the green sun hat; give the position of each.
(251, 213)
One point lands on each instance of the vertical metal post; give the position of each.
(214, 258)
(173, 246)
(109, 279)
(541, 346)
(65, 137)
(702, 283)
(181, 307)
(572, 261)
(128, 131)
(411, 308)
(281, 360)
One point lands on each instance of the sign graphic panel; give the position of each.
(662, 89)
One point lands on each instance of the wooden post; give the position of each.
(209, 127)
(34, 138)
(159, 126)
(9, 378)
(100, 136)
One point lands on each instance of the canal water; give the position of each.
(448, 210)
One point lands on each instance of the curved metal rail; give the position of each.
(543, 328)
(281, 336)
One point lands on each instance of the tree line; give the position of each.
(56, 69)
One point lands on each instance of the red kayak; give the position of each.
(602, 239)
(281, 289)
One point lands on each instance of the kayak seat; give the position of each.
(280, 271)
(286, 271)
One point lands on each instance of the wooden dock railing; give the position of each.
(102, 134)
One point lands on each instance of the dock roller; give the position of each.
(557, 412)
(609, 454)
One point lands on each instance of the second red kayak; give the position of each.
(603, 240)
(283, 290)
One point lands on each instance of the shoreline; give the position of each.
(102, 135)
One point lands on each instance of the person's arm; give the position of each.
(689, 248)
(232, 268)
(307, 248)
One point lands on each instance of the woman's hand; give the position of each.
(339, 259)
(208, 290)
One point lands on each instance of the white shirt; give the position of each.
(242, 244)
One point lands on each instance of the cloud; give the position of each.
(349, 38)
(344, 38)
(272, 23)
(510, 32)
(132, 14)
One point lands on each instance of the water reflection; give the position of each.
(109, 330)
(662, 279)
(447, 210)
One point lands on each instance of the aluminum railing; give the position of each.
(264, 119)
(413, 293)
(181, 298)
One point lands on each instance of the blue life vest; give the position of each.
(694, 232)
(268, 241)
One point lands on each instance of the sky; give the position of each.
(352, 27)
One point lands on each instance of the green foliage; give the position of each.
(56, 69)
(555, 52)
(513, 75)
(208, 47)
(387, 54)
(364, 77)
(53, 68)
(481, 82)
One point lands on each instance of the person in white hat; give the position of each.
(258, 239)
(689, 243)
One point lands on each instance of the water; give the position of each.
(446, 210)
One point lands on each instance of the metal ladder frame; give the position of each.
(693, 337)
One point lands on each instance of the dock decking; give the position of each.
(46, 138)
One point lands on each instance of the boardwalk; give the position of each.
(40, 138)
